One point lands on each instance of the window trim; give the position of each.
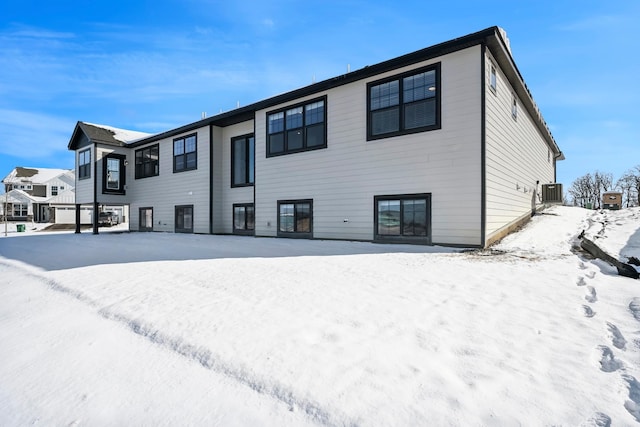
(243, 231)
(304, 127)
(183, 230)
(296, 234)
(493, 79)
(173, 148)
(156, 169)
(54, 190)
(514, 106)
(250, 174)
(140, 212)
(84, 169)
(400, 77)
(122, 170)
(23, 210)
(403, 238)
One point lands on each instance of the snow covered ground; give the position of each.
(172, 329)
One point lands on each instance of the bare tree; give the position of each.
(582, 190)
(627, 186)
(602, 182)
(635, 179)
(587, 190)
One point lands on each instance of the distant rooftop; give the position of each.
(33, 175)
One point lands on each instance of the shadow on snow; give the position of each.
(66, 251)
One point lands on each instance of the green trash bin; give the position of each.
(20, 228)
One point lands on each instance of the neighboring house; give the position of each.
(612, 200)
(440, 146)
(30, 190)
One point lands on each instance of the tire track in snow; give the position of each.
(201, 354)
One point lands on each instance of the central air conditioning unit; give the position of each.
(552, 193)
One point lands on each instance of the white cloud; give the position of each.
(598, 22)
(33, 135)
(268, 23)
(39, 33)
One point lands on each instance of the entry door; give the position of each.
(184, 219)
(146, 219)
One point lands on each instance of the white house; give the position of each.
(30, 191)
(444, 145)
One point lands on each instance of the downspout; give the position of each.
(483, 150)
(75, 197)
(555, 166)
(210, 179)
(96, 214)
(255, 178)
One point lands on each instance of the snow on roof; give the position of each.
(33, 175)
(503, 33)
(19, 196)
(124, 135)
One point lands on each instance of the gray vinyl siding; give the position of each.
(217, 178)
(236, 194)
(112, 199)
(84, 187)
(516, 157)
(343, 179)
(169, 189)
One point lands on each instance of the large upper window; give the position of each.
(404, 104)
(242, 160)
(84, 164)
(295, 218)
(185, 153)
(113, 174)
(406, 217)
(297, 128)
(147, 162)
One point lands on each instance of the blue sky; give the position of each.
(154, 65)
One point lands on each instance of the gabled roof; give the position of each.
(19, 196)
(103, 134)
(33, 175)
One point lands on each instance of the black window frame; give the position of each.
(402, 130)
(122, 172)
(21, 212)
(514, 107)
(142, 159)
(185, 154)
(54, 190)
(84, 169)
(401, 237)
(141, 213)
(248, 161)
(305, 128)
(296, 234)
(245, 230)
(182, 208)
